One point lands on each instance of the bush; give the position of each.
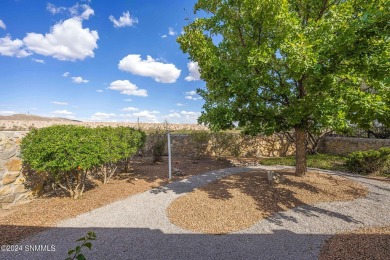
(369, 162)
(200, 141)
(223, 143)
(155, 145)
(116, 146)
(68, 153)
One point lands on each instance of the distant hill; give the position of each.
(24, 117)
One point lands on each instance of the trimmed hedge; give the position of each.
(369, 162)
(69, 153)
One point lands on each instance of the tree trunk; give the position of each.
(300, 151)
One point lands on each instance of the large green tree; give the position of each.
(281, 65)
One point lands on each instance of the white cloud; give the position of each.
(127, 88)
(164, 36)
(7, 113)
(99, 90)
(189, 113)
(9, 47)
(99, 116)
(79, 80)
(191, 95)
(59, 103)
(67, 40)
(194, 71)
(130, 109)
(174, 115)
(160, 72)
(124, 20)
(62, 112)
(2, 25)
(66, 74)
(171, 32)
(146, 113)
(180, 105)
(54, 10)
(38, 61)
(81, 11)
(190, 117)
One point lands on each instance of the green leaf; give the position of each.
(80, 257)
(88, 244)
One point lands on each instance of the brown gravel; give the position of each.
(239, 201)
(365, 243)
(42, 213)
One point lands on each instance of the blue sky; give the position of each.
(97, 60)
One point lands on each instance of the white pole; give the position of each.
(169, 157)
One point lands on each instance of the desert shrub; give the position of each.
(116, 146)
(65, 152)
(156, 142)
(199, 141)
(223, 143)
(69, 153)
(368, 162)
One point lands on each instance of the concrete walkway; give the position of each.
(138, 227)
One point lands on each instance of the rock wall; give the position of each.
(12, 189)
(346, 145)
(247, 146)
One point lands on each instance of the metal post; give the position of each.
(169, 157)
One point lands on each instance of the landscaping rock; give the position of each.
(10, 177)
(177, 172)
(7, 198)
(5, 190)
(19, 188)
(14, 165)
(9, 152)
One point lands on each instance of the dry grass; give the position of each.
(239, 201)
(40, 214)
(365, 243)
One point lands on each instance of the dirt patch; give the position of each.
(239, 201)
(42, 213)
(365, 243)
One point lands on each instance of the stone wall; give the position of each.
(12, 189)
(259, 146)
(346, 145)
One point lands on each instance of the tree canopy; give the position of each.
(277, 65)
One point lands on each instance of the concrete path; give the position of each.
(138, 227)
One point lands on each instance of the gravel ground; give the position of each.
(239, 201)
(138, 227)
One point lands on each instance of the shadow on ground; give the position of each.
(143, 243)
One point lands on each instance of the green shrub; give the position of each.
(223, 143)
(369, 162)
(65, 152)
(200, 141)
(116, 146)
(156, 142)
(68, 153)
